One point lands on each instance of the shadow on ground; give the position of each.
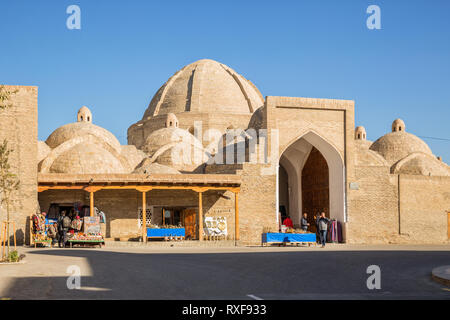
(268, 275)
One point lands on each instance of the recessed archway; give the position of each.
(315, 178)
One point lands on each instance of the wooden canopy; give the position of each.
(143, 183)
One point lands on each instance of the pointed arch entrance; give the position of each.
(311, 179)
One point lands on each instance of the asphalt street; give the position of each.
(226, 273)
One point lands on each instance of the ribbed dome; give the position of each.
(87, 159)
(79, 129)
(395, 146)
(206, 86)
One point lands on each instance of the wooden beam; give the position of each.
(143, 188)
(41, 189)
(93, 188)
(136, 187)
(44, 188)
(199, 189)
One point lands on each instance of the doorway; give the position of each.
(190, 223)
(315, 187)
(311, 180)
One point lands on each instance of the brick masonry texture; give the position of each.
(18, 125)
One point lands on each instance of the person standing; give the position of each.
(304, 222)
(63, 227)
(52, 233)
(323, 226)
(316, 223)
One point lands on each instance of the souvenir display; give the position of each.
(76, 223)
(167, 226)
(295, 230)
(166, 232)
(85, 237)
(81, 229)
(215, 226)
(91, 225)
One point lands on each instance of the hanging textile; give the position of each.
(53, 211)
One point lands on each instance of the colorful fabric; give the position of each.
(288, 223)
(288, 237)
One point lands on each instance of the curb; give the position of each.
(441, 275)
(12, 263)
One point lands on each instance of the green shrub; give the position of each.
(13, 256)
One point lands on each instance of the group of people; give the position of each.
(321, 222)
(56, 231)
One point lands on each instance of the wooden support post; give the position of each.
(91, 203)
(200, 216)
(236, 215)
(144, 217)
(91, 191)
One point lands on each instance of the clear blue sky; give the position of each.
(126, 50)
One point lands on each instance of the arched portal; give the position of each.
(315, 178)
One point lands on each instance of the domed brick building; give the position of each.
(209, 145)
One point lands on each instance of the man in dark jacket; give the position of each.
(304, 222)
(63, 227)
(323, 227)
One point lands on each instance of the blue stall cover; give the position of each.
(165, 232)
(288, 237)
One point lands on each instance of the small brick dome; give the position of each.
(397, 145)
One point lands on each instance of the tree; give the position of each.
(9, 183)
(4, 97)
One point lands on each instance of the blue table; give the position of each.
(288, 238)
(165, 232)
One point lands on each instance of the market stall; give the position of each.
(288, 237)
(42, 230)
(166, 232)
(83, 230)
(90, 234)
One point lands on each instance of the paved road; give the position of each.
(227, 273)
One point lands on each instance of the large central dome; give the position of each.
(205, 86)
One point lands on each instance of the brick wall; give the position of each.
(424, 202)
(18, 125)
